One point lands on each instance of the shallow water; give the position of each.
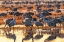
(19, 36)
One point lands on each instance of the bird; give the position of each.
(17, 2)
(17, 14)
(58, 11)
(38, 36)
(57, 6)
(3, 14)
(46, 19)
(49, 6)
(39, 15)
(50, 10)
(27, 2)
(38, 23)
(29, 7)
(27, 23)
(34, 19)
(10, 22)
(29, 32)
(11, 13)
(62, 18)
(30, 13)
(27, 16)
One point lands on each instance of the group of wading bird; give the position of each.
(43, 18)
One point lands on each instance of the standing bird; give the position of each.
(38, 23)
(29, 32)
